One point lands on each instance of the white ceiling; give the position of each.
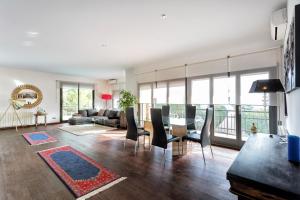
(71, 32)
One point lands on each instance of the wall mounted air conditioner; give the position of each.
(278, 24)
(112, 81)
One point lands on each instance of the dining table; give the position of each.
(177, 127)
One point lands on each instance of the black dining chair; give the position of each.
(165, 112)
(190, 118)
(161, 137)
(204, 136)
(133, 133)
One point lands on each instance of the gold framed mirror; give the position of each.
(28, 93)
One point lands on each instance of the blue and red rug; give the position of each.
(36, 138)
(83, 176)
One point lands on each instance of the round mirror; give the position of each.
(29, 94)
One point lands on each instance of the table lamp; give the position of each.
(267, 86)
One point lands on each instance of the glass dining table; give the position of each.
(177, 127)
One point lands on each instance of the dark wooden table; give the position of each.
(262, 170)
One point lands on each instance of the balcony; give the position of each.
(225, 118)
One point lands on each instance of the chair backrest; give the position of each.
(159, 135)
(165, 111)
(131, 125)
(206, 129)
(190, 117)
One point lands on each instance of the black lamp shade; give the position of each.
(266, 86)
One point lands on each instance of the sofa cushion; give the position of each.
(91, 112)
(101, 112)
(83, 113)
(106, 114)
(101, 118)
(113, 114)
(79, 120)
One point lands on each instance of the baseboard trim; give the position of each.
(27, 126)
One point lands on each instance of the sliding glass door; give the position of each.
(86, 96)
(235, 109)
(160, 92)
(177, 96)
(69, 98)
(254, 106)
(200, 97)
(75, 97)
(145, 101)
(224, 100)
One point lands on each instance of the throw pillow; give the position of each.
(106, 113)
(112, 114)
(91, 112)
(101, 112)
(83, 113)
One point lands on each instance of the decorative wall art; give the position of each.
(292, 55)
(29, 94)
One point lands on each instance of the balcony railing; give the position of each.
(224, 117)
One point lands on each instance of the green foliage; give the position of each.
(126, 100)
(86, 98)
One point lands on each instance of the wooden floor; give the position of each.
(24, 175)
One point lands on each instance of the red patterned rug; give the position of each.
(36, 138)
(83, 176)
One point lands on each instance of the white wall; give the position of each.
(131, 81)
(46, 82)
(293, 98)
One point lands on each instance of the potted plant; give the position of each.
(127, 99)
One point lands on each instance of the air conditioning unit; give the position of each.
(112, 81)
(278, 24)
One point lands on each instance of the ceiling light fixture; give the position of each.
(103, 45)
(163, 16)
(32, 34)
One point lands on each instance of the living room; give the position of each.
(149, 100)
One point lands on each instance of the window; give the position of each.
(200, 91)
(246, 83)
(252, 106)
(74, 97)
(145, 95)
(116, 97)
(224, 113)
(159, 94)
(224, 90)
(200, 97)
(86, 96)
(177, 98)
(69, 100)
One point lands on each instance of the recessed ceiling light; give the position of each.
(27, 43)
(32, 34)
(163, 16)
(103, 45)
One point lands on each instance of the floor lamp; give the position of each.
(267, 86)
(106, 97)
(16, 105)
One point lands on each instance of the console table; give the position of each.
(36, 116)
(262, 170)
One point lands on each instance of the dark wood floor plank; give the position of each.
(24, 175)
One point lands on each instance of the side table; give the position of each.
(36, 116)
